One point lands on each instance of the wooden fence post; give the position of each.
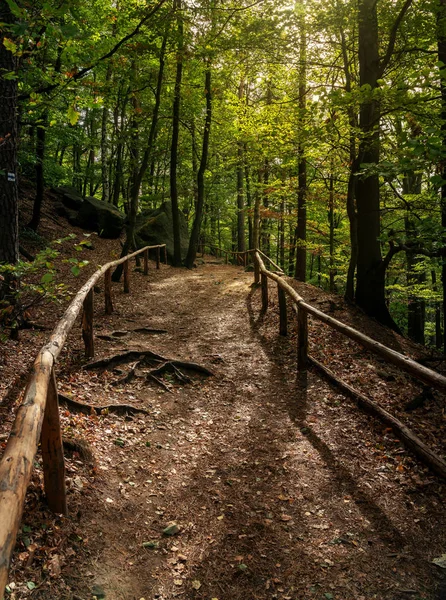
(52, 452)
(87, 324)
(165, 255)
(107, 292)
(126, 277)
(264, 292)
(302, 339)
(146, 262)
(256, 271)
(283, 329)
(226, 257)
(157, 257)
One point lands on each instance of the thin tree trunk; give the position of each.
(175, 138)
(195, 233)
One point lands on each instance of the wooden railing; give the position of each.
(38, 416)
(303, 309)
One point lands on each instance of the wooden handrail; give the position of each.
(38, 414)
(407, 364)
(418, 371)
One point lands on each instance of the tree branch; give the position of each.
(391, 45)
(109, 54)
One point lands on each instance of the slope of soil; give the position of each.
(273, 486)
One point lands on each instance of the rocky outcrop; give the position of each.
(69, 197)
(156, 227)
(102, 217)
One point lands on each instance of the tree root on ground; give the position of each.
(147, 358)
(88, 409)
(115, 335)
(81, 447)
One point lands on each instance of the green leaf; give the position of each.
(30, 585)
(47, 278)
(75, 270)
(73, 115)
(9, 45)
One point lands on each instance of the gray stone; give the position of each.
(69, 197)
(155, 227)
(102, 217)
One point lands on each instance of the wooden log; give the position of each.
(407, 364)
(108, 292)
(302, 339)
(127, 277)
(87, 324)
(264, 292)
(18, 458)
(283, 326)
(165, 255)
(275, 265)
(157, 257)
(52, 452)
(146, 262)
(407, 437)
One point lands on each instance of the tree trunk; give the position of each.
(441, 29)
(9, 228)
(174, 143)
(195, 233)
(40, 174)
(300, 272)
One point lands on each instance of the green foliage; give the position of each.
(25, 285)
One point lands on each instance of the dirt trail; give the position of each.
(276, 484)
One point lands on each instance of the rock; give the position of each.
(98, 591)
(171, 529)
(155, 227)
(63, 211)
(70, 197)
(102, 217)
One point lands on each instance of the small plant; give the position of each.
(24, 285)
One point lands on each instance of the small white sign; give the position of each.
(11, 176)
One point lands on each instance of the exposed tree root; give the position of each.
(81, 447)
(147, 358)
(114, 335)
(88, 409)
(125, 357)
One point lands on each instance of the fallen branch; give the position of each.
(412, 441)
(88, 409)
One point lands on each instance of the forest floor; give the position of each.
(249, 484)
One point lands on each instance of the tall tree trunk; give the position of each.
(301, 245)
(441, 32)
(370, 275)
(40, 173)
(241, 246)
(105, 159)
(174, 144)
(9, 227)
(332, 229)
(195, 233)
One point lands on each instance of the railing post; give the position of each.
(146, 262)
(264, 292)
(302, 339)
(107, 292)
(245, 259)
(283, 328)
(126, 277)
(226, 257)
(165, 255)
(256, 270)
(157, 257)
(87, 324)
(52, 452)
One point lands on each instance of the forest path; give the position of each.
(274, 482)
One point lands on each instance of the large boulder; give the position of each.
(156, 227)
(69, 197)
(102, 217)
